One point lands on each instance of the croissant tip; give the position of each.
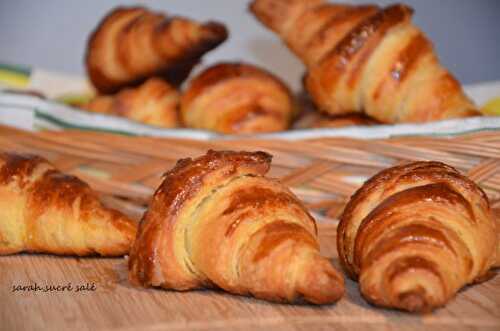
(251, 6)
(414, 302)
(212, 35)
(405, 7)
(322, 284)
(216, 31)
(268, 12)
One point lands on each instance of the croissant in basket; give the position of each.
(413, 235)
(216, 221)
(133, 43)
(366, 59)
(237, 98)
(44, 211)
(155, 102)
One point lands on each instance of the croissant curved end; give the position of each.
(320, 282)
(411, 289)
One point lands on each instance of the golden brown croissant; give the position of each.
(45, 211)
(155, 102)
(216, 221)
(413, 235)
(366, 59)
(237, 98)
(133, 43)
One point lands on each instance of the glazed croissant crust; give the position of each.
(45, 211)
(237, 98)
(155, 102)
(215, 221)
(133, 43)
(413, 235)
(366, 59)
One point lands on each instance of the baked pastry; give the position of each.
(414, 235)
(155, 102)
(216, 221)
(45, 211)
(237, 98)
(133, 43)
(366, 59)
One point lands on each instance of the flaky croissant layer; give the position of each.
(413, 235)
(216, 221)
(42, 210)
(366, 59)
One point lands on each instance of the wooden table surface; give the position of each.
(115, 305)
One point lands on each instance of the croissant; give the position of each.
(45, 211)
(216, 221)
(133, 43)
(413, 235)
(237, 98)
(366, 59)
(155, 102)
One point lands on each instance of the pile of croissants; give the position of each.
(412, 235)
(365, 65)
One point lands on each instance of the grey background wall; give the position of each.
(51, 34)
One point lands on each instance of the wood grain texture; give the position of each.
(116, 305)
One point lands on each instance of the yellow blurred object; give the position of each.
(492, 107)
(76, 99)
(14, 76)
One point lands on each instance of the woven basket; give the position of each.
(322, 172)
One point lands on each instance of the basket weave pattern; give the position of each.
(322, 172)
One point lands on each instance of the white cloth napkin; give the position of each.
(33, 113)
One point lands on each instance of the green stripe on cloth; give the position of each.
(16, 69)
(65, 125)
